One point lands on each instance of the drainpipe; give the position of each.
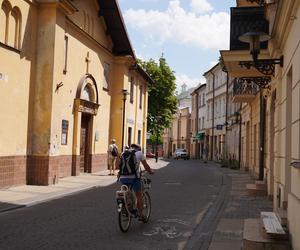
(240, 136)
(226, 114)
(262, 136)
(213, 119)
(197, 126)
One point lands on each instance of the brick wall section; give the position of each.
(98, 162)
(65, 166)
(44, 170)
(12, 171)
(37, 170)
(54, 166)
(75, 165)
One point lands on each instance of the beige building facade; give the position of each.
(179, 133)
(216, 112)
(64, 68)
(198, 115)
(271, 133)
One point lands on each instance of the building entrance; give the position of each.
(84, 144)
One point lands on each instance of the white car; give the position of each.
(181, 153)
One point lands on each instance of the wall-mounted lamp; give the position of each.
(125, 93)
(265, 66)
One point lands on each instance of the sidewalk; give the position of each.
(239, 206)
(29, 195)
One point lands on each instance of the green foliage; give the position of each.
(153, 139)
(162, 102)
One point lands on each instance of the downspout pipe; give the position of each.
(213, 120)
(197, 125)
(262, 136)
(240, 136)
(226, 112)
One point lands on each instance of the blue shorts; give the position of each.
(133, 183)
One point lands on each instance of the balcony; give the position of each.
(243, 20)
(244, 90)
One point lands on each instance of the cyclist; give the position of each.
(134, 180)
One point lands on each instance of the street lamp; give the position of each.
(265, 66)
(125, 93)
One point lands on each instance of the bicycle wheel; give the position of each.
(147, 206)
(124, 220)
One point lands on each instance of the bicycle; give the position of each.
(127, 204)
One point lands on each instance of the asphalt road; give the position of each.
(183, 194)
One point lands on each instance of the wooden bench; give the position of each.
(272, 225)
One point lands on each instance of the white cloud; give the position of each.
(190, 82)
(201, 6)
(209, 31)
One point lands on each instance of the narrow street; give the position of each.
(182, 193)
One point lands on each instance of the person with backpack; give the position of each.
(112, 156)
(129, 173)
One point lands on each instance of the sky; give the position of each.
(189, 33)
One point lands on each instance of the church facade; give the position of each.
(64, 71)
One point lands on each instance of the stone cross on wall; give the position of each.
(87, 60)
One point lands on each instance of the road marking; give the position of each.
(167, 228)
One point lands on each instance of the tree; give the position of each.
(162, 102)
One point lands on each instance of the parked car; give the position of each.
(181, 153)
(150, 155)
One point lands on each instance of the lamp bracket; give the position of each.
(262, 82)
(264, 66)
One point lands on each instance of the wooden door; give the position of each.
(84, 144)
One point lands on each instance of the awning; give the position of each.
(200, 136)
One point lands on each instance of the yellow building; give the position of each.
(271, 134)
(64, 68)
(179, 135)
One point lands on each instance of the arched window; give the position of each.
(87, 94)
(4, 21)
(16, 14)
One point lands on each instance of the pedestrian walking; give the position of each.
(112, 156)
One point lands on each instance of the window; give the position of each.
(141, 97)
(87, 94)
(4, 17)
(139, 137)
(64, 132)
(106, 69)
(131, 89)
(203, 122)
(66, 54)
(203, 99)
(208, 114)
(10, 25)
(16, 17)
(129, 136)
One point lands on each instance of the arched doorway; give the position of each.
(86, 106)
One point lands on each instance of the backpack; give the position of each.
(114, 151)
(128, 163)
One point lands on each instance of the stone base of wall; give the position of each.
(98, 162)
(44, 170)
(37, 170)
(12, 171)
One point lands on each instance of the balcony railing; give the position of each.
(244, 90)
